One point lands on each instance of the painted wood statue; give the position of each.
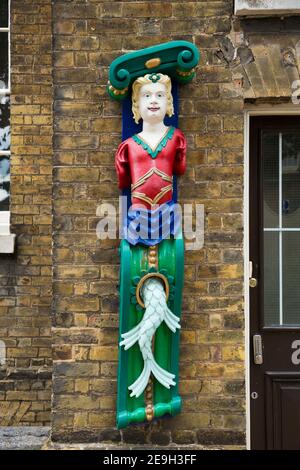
(152, 262)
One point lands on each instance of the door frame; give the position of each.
(249, 111)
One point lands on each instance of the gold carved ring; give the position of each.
(141, 282)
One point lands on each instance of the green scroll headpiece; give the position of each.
(177, 59)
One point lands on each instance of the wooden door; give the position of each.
(275, 292)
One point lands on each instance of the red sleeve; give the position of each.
(180, 157)
(122, 166)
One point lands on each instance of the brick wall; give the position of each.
(87, 36)
(25, 277)
(87, 126)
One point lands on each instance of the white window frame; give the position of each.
(7, 91)
(7, 240)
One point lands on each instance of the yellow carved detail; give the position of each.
(144, 278)
(147, 175)
(151, 63)
(185, 74)
(157, 198)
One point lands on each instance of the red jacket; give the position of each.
(149, 171)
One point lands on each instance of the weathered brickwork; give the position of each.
(275, 47)
(25, 277)
(87, 130)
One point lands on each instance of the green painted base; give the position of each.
(139, 415)
(134, 264)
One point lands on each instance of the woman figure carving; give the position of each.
(146, 163)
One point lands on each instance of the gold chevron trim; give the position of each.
(157, 198)
(147, 175)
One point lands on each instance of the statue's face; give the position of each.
(153, 102)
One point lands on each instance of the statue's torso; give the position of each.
(151, 170)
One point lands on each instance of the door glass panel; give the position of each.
(3, 13)
(291, 277)
(291, 180)
(3, 60)
(281, 227)
(271, 278)
(270, 150)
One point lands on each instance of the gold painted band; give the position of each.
(144, 278)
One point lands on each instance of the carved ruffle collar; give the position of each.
(162, 143)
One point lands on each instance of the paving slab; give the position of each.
(23, 437)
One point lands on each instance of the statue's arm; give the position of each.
(122, 166)
(180, 157)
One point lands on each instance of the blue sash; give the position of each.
(150, 227)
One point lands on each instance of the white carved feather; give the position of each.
(156, 311)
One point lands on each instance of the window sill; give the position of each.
(7, 243)
(7, 239)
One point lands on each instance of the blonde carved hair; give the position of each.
(137, 85)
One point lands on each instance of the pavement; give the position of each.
(38, 438)
(23, 437)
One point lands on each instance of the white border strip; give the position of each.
(247, 273)
(253, 110)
